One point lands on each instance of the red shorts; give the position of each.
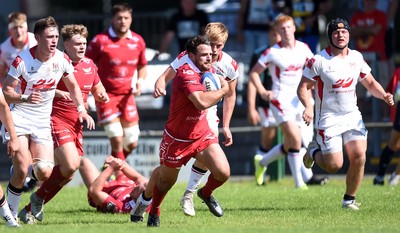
(175, 152)
(123, 106)
(64, 132)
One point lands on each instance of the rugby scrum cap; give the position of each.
(335, 24)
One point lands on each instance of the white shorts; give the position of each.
(267, 117)
(335, 144)
(40, 132)
(287, 111)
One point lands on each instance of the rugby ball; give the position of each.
(210, 81)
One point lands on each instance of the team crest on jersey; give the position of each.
(87, 70)
(55, 67)
(132, 46)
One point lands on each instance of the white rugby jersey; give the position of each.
(42, 77)
(225, 66)
(336, 79)
(286, 67)
(8, 52)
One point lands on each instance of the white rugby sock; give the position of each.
(295, 161)
(14, 198)
(196, 175)
(6, 214)
(306, 173)
(272, 155)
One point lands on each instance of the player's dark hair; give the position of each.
(122, 6)
(44, 23)
(192, 44)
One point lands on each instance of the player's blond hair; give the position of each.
(70, 30)
(17, 18)
(217, 32)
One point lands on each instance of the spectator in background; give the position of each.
(305, 14)
(254, 21)
(368, 30)
(389, 7)
(119, 53)
(184, 24)
(19, 40)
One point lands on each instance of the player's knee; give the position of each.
(114, 130)
(43, 169)
(68, 170)
(131, 137)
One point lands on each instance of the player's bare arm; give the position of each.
(161, 83)
(95, 189)
(252, 114)
(377, 90)
(305, 95)
(227, 111)
(99, 93)
(62, 94)
(142, 73)
(12, 96)
(6, 119)
(255, 78)
(76, 96)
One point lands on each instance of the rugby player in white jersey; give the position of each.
(285, 60)
(19, 40)
(30, 88)
(335, 73)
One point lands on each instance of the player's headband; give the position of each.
(17, 24)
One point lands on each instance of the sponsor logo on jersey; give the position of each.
(342, 83)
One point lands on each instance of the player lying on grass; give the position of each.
(117, 196)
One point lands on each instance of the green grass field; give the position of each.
(276, 207)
